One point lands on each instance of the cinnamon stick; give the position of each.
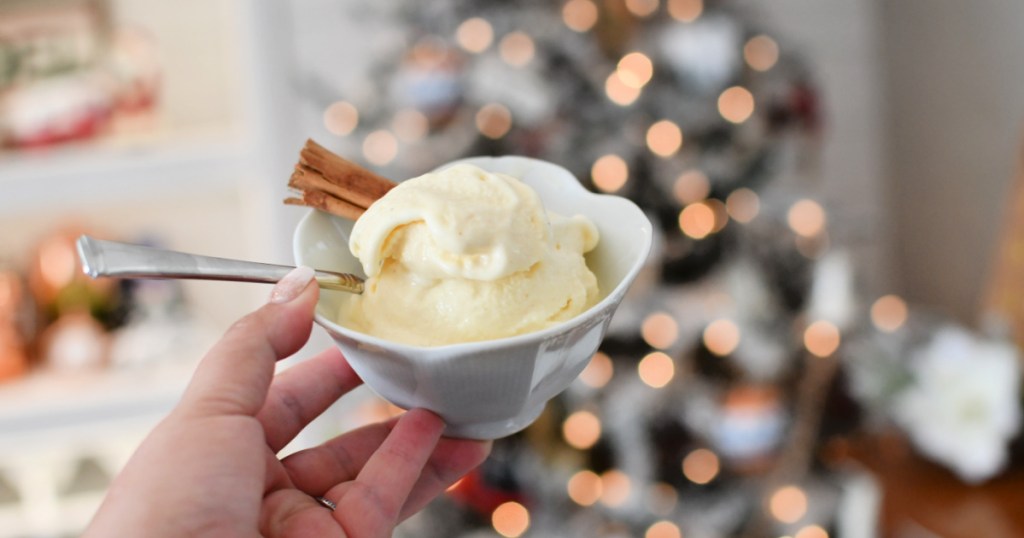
(330, 183)
(325, 202)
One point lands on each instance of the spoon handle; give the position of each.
(123, 260)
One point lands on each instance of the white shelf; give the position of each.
(119, 166)
(53, 408)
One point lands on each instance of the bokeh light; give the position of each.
(811, 531)
(720, 212)
(788, 504)
(662, 498)
(510, 519)
(579, 15)
(609, 173)
(380, 147)
(598, 372)
(615, 488)
(341, 118)
(664, 138)
(584, 488)
(721, 337)
(701, 466)
(685, 10)
(659, 330)
(889, 313)
(663, 529)
(736, 104)
(618, 91)
(493, 120)
(761, 52)
(410, 124)
(474, 35)
(821, 338)
(642, 8)
(581, 429)
(635, 69)
(806, 218)
(743, 205)
(697, 220)
(691, 186)
(656, 369)
(517, 49)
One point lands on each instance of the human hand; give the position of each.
(211, 467)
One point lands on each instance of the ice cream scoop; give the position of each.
(463, 254)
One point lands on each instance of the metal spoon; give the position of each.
(110, 258)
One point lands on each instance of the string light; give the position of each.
(341, 118)
(701, 466)
(889, 313)
(821, 338)
(743, 205)
(736, 104)
(510, 519)
(656, 369)
(598, 372)
(664, 138)
(806, 218)
(697, 220)
(663, 529)
(581, 429)
(691, 186)
(584, 488)
(761, 52)
(579, 15)
(410, 124)
(618, 91)
(788, 504)
(721, 337)
(516, 49)
(642, 8)
(685, 10)
(615, 488)
(474, 35)
(635, 69)
(493, 120)
(380, 147)
(609, 173)
(659, 330)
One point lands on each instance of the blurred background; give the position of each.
(824, 342)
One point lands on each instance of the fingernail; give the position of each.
(291, 285)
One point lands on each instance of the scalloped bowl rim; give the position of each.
(568, 181)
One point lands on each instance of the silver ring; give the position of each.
(327, 503)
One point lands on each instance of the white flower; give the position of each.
(962, 408)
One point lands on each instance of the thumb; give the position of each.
(234, 376)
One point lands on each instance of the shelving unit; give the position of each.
(204, 174)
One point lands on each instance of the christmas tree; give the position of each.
(717, 401)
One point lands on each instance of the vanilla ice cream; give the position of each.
(463, 255)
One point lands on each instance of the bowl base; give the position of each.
(486, 431)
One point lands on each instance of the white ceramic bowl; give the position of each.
(490, 389)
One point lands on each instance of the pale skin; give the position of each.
(210, 468)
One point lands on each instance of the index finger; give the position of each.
(235, 374)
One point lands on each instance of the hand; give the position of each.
(210, 468)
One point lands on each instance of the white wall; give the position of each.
(956, 101)
(840, 41)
